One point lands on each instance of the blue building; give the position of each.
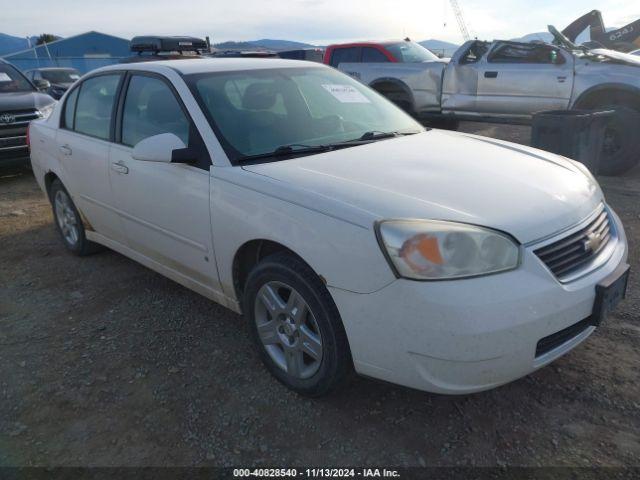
(83, 52)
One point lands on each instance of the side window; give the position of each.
(526, 53)
(151, 108)
(345, 55)
(94, 108)
(373, 55)
(474, 54)
(70, 109)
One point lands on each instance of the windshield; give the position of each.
(60, 76)
(256, 112)
(13, 81)
(411, 52)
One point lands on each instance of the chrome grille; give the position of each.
(17, 118)
(576, 251)
(13, 134)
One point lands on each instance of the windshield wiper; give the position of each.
(301, 149)
(374, 135)
(293, 149)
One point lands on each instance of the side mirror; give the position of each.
(159, 148)
(42, 84)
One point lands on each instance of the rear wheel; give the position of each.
(296, 326)
(69, 222)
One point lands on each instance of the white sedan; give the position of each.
(349, 236)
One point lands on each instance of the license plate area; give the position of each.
(609, 293)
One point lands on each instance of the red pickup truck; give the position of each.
(399, 51)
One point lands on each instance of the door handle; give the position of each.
(66, 150)
(120, 168)
(490, 74)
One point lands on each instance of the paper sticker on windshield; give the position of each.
(4, 77)
(74, 76)
(346, 94)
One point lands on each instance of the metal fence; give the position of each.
(82, 64)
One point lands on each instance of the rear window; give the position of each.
(373, 55)
(411, 52)
(60, 76)
(345, 55)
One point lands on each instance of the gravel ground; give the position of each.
(105, 363)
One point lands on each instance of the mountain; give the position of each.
(439, 47)
(270, 44)
(262, 44)
(539, 36)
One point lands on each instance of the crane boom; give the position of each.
(460, 18)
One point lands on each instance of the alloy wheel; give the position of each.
(66, 217)
(288, 329)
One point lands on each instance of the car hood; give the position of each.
(23, 101)
(446, 176)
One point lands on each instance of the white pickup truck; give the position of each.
(504, 81)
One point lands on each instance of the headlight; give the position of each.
(45, 112)
(438, 250)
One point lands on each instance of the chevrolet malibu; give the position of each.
(349, 236)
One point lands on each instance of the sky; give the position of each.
(313, 21)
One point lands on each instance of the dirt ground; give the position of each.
(106, 363)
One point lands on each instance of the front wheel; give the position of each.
(296, 326)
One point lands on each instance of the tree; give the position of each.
(46, 38)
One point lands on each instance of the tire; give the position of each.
(621, 149)
(69, 222)
(296, 326)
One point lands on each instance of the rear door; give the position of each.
(83, 142)
(164, 206)
(519, 79)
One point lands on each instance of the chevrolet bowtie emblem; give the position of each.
(592, 243)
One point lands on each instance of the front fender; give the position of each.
(342, 248)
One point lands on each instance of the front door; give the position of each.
(164, 206)
(83, 150)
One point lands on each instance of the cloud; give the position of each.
(314, 21)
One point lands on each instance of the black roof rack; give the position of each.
(157, 44)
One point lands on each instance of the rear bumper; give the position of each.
(470, 335)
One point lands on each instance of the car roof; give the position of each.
(207, 65)
(364, 43)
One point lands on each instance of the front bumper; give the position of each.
(464, 336)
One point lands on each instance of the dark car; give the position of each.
(60, 79)
(243, 54)
(20, 102)
(309, 54)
